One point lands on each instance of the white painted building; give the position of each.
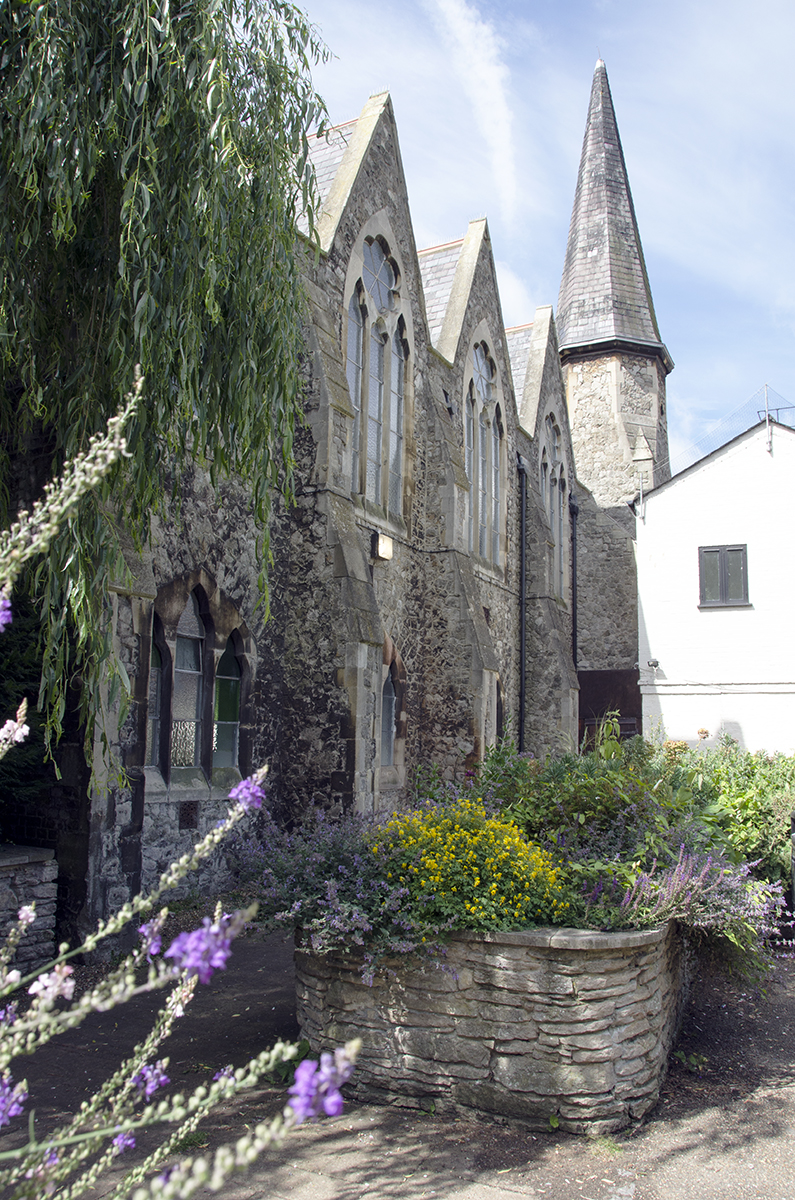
(716, 582)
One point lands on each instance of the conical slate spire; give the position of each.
(605, 299)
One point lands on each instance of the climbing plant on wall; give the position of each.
(153, 161)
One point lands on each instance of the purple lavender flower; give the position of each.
(225, 1073)
(8, 1015)
(207, 949)
(248, 794)
(317, 1086)
(151, 936)
(149, 1079)
(12, 1099)
(123, 1141)
(6, 615)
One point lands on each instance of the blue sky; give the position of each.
(491, 100)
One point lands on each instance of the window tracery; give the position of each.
(194, 702)
(483, 451)
(376, 354)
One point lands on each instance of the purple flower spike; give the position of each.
(6, 615)
(207, 949)
(248, 794)
(122, 1142)
(12, 1099)
(151, 936)
(317, 1086)
(149, 1079)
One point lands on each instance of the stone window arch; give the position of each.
(484, 458)
(553, 483)
(199, 686)
(377, 354)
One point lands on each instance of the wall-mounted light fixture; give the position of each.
(381, 546)
(654, 663)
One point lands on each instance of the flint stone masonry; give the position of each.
(524, 1026)
(28, 875)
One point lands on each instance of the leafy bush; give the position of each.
(397, 888)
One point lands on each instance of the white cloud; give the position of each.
(518, 306)
(477, 52)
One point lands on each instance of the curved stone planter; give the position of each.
(544, 1023)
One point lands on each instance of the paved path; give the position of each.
(725, 1133)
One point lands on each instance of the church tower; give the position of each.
(614, 361)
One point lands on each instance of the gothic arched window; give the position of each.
(188, 691)
(376, 373)
(483, 458)
(226, 714)
(196, 688)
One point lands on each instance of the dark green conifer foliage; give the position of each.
(153, 160)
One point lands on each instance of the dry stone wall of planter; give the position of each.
(539, 1024)
(28, 875)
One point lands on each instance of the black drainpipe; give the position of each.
(522, 465)
(574, 509)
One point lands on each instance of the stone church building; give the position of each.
(459, 560)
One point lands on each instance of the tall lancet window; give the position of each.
(354, 368)
(376, 358)
(483, 458)
(226, 708)
(496, 491)
(470, 470)
(187, 698)
(388, 698)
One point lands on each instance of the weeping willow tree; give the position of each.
(153, 161)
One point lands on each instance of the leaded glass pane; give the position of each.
(353, 368)
(388, 723)
(190, 623)
(482, 374)
(153, 709)
(226, 709)
(186, 700)
(470, 464)
(189, 654)
(396, 428)
(375, 418)
(495, 492)
(378, 276)
(185, 747)
(483, 487)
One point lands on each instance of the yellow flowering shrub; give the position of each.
(468, 870)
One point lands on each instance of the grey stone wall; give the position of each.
(28, 875)
(618, 424)
(545, 1023)
(607, 620)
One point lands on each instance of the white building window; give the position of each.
(376, 353)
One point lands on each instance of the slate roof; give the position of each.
(326, 154)
(604, 293)
(437, 267)
(519, 339)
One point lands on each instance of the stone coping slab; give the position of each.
(16, 856)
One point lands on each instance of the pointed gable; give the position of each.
(605, 298)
